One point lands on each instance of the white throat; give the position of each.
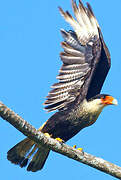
(94, 107)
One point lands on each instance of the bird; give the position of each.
(76, 96)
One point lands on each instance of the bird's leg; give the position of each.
(79, 149)
(41, 127)
(46, 134)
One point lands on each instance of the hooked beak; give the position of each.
(115, 102)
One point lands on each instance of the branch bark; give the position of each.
(83, 157)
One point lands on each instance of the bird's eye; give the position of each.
(105, 97)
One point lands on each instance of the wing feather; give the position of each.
(82, 49)
(70, 59)
(68, 49)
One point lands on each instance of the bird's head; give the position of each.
(108, 100)
(98, 102)
(104, 100)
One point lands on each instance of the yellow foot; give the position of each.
(79, 149)
(60, 140)
(74, 146)
(46, 134)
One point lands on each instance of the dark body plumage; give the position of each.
(86, 62)
(65, 125)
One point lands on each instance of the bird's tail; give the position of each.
(28, 153)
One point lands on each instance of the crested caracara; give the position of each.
(86, 62)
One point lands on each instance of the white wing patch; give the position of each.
(86, 26)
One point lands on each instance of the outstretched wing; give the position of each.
(82, 50)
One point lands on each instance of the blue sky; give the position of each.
(29, 56)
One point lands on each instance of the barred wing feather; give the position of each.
(81, 48)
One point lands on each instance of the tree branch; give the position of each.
(28, 130)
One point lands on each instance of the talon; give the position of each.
(80, 149)
(60, 140)
(74, 146)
